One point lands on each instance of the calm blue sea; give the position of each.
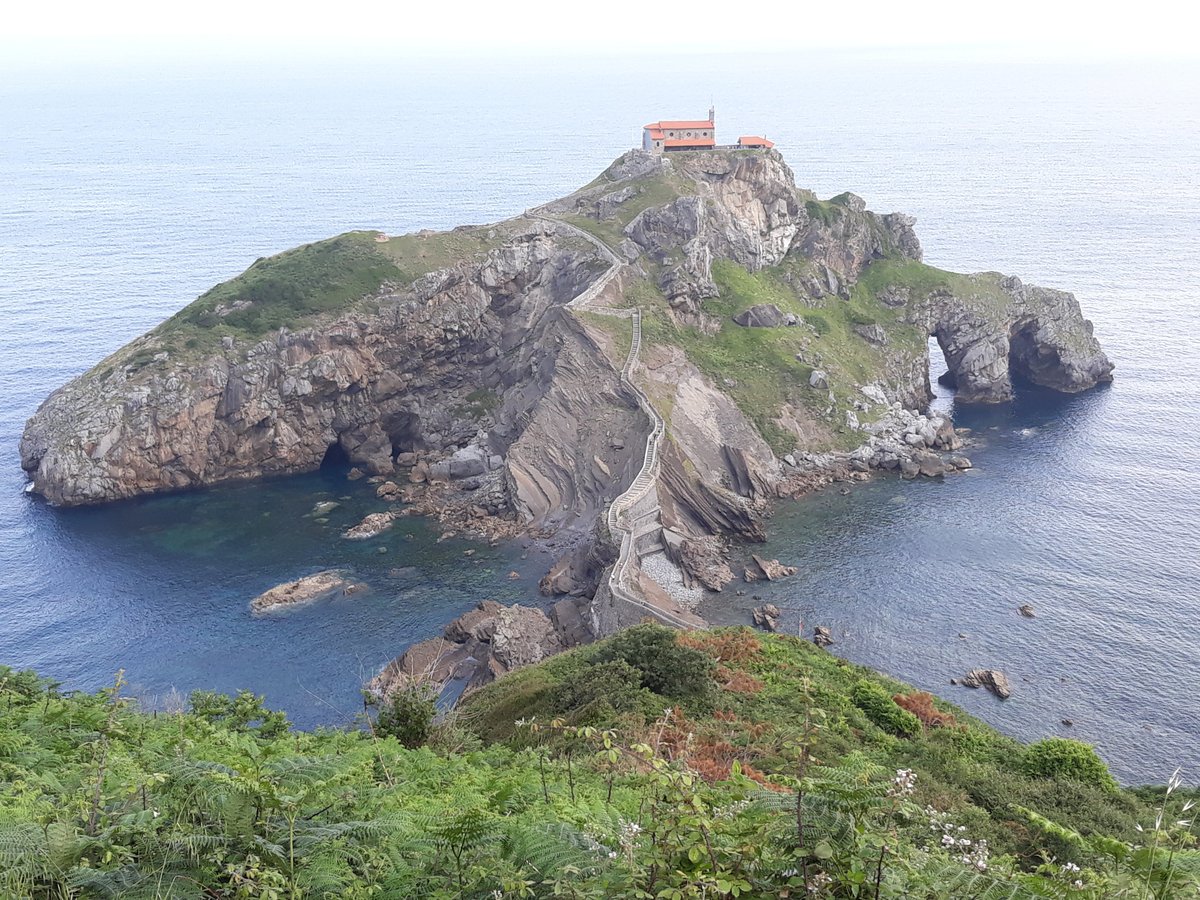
(124, 193)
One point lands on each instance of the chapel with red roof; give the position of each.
(670, 136)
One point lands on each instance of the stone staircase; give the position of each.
(635, 512)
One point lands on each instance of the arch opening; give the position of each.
(335, 457)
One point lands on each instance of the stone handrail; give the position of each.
(618, 580)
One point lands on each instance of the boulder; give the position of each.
(771, 569)
(822, 636)
(482, 645)
(1026, 610)
(930, 464)
(872, 334)
(702, 561)
(762, 315)
(819, 380)
(371, 526)
(304, 590)
(992, 679)
(766, 616)
(468, 461)
(389, 490)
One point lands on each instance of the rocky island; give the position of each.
(635, 369)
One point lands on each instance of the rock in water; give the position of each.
(822, 636)
(1026, 610)
(771, 569)
(371, 526)
(766, 616)
(992, 679)
(389, 490)
(308, 589)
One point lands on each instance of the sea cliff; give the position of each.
(781, 340)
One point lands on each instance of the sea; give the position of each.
(128, 189)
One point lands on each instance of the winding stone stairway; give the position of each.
(634, 512)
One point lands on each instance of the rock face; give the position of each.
(398, 371)
(764, 315)
(992, 679)
(305, 590)
(482, 645)
(996, 327)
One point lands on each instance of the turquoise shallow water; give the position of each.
(125, 193)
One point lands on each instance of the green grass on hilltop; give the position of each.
(298, 287)
(652, 191)
(281, 290)
(652, 765)
(758, 367)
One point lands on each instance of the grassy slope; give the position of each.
(971, 771)
(99, 799)
(759, 368)
(301, 286)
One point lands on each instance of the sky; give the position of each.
(82, 31)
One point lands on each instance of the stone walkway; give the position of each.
(631, 510)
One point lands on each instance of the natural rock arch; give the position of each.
(998, 328)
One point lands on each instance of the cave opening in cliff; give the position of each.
(404, 433)
(335, 457)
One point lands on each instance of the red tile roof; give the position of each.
(753, 140)
(675, 126)
(690, 142)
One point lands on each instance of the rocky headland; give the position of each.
(689, 336)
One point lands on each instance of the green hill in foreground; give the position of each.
(715, 764)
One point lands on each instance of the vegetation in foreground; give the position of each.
(652, 765)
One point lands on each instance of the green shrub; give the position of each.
(1067, 758)
(615, 683)
(245, 713)
(667, 668)
(408, 714)
(882, 710)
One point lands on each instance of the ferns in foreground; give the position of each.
(98, 799)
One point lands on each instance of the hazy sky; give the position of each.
(85, 30)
